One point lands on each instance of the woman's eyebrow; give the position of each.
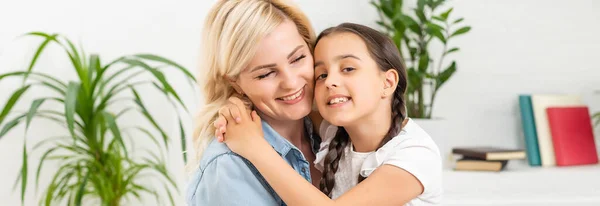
(275, 65)
(262, 67)
(294, 51)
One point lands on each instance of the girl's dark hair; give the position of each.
(386, 55)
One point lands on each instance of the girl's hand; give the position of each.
(220, 123)
(245, 134)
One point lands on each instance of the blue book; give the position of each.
(528, 122)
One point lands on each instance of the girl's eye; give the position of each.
(348, 69)
(299, 58)
(265, 75)
(321, 76)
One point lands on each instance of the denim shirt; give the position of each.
(226, 178)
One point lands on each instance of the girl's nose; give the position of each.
(332, 81)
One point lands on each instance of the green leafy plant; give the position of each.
(96, 163)
(413, 35)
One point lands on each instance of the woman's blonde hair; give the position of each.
(230, 39)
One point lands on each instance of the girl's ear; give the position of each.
(390, 83)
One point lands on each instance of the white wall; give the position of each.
(534, 46)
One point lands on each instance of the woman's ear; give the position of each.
(390, 82)
(234, 84)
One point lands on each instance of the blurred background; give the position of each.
(513, 47)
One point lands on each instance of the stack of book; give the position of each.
(485, 158)
(557, 130)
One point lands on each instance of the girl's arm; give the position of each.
(220, 123)
(388, 185)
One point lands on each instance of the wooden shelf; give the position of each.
(520, 184)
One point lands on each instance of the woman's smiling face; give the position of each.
(279, 80)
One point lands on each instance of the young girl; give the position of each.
(375, 155)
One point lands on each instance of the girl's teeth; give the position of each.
(295, 96)
(338, 100)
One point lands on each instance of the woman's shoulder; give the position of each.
(214, 150)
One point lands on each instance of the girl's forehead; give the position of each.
(340, 44)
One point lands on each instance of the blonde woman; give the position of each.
(259, 49)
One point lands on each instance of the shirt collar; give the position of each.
(282, 145)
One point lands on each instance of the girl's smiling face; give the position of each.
(349, 83)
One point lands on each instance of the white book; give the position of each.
(539, 104)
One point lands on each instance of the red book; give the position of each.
(572, 135)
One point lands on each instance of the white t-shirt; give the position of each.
(412, 150)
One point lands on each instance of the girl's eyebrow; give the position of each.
(338, 58)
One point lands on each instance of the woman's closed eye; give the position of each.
(298, 59)
(265, 75)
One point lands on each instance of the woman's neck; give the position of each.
(292, 130)
(366, 135)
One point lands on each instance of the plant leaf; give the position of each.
(146, 114)
(71, 105)
(167, 61)
(93, 67)
(423, 62)
(75, 54)
(160, 77)
(461, 31)
(11, 125)
(103, 84)
(39, 50)
(21, 73)
(438, 18)
(41, 164)
(421, 15)
(446, 14)
(183, 142)
(112, 125)
(145, 131)
(32, 110)
(415, 79)
(81, 190)
(458, 20)
(411, 24)
(384, 25)
(436, 31)
(24, 172)
(11, 102)
(452, 50)
(446, 74)
(431, 25)
(169, 194)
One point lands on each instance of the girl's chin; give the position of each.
(337, 120)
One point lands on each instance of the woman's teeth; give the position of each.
(295, 96)
(338, 100)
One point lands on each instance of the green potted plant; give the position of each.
(413, 32)
(95, 157)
